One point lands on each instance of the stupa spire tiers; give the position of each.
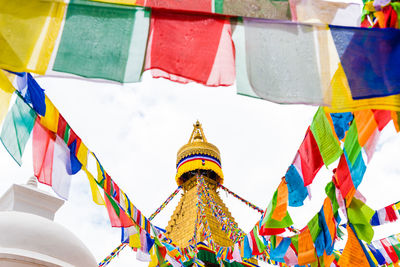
(198, 158)
(198, 154)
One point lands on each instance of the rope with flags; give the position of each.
(248, 203)
(118, 249)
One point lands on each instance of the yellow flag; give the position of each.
(342, 100)
(134, 241)
(28, 31)
(96, 195)
(50, 119)
(153, 257)
(6, 90)
(82, 154)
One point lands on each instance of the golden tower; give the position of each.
(197, 157)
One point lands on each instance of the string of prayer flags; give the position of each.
(51, 160)
(385, 215)
(17, 128)
(88, 44)
(328, 145)
(192, 47)
(24, 26)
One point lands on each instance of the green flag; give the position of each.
(105, 41)
(359, 216)
(351, 144)
(327, 143)
(17, 128)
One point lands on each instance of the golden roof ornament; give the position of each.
(198, 154)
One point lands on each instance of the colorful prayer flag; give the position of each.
(106, 41)
(17, 128)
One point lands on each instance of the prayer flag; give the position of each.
(275, 56)
(6, 90)
(353, 254)
(366, 125)
(389, 250)
(118, 217)
(382, 118)
(370, 60)
(351, 143)
(17, 128)
(274, 9)
(328, 145)
(31, 92)
(106, 41)
(341, 123)
(311, 160)
(96, 195)
(296, 189)
(306, 249)
(378, 256)
(359, 215)
(270, 225)
(191, 47)
(279, 252)
(51, 160)
(28, 33)
(50, 119)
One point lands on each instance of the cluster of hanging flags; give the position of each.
(58, 152)
(347, 67)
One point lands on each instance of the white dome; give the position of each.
(28, 238)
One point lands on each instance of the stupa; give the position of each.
(30, 237)
(199, 158)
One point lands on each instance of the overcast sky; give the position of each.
(136, 130)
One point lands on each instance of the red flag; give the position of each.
(187, 5)
(311, 159)
(382, 117)
(43, 150)
(118, 218)
(390, 250)
(184, 46)
(344, 181)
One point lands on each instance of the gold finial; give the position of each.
(197, 134)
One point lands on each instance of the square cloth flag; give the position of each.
(28, 30)
(104, 41)
(370, 59)
(191, 47)
(282, 63)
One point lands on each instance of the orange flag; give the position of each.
(306, 247)
(353, 254)
(281, 202)
(366, 125)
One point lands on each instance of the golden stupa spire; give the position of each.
(198, 154)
